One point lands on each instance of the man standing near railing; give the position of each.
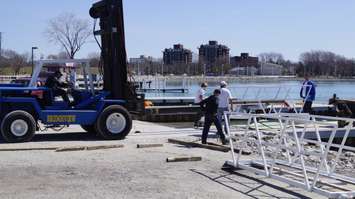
(225, 99)
(308, 93)
(210, 107)
(200, 96)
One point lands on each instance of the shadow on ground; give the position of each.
(247, 185)
(59, 137)
(177, 125)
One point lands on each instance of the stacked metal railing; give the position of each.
(307, 163)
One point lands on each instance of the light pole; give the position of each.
(0, 44)
(204, 69)
(33, 48)
(222, 69)
(162, 68)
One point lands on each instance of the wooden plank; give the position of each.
(183, 159)
(88, 148)
(114, 146)
(149, 145)
(194, 144)
(29, 149)
(67, 149)
(244, 152)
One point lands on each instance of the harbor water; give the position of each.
(266, 89)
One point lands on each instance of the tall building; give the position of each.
(244, 60)
(140, 60)
(177, 55)
(213, 55)
(244, 64)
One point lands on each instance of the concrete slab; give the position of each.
(129, 172)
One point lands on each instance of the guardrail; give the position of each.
(268, 99)
(8, 78)
(307, 163)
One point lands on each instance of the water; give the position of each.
(325, 89)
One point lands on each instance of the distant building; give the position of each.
(177, 55)
(142, 65)
(140, 60)
(241, 71)
(244, 60)
(270, 69)
(213, 55)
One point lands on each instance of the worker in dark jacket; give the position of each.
(308, 93)
(53, 82)
(210, 107)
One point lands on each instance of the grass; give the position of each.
(11, 71)
(28, 70)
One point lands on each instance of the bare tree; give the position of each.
(15, 60)
(94, 59)
(271, 57)
(324, 63)
(68, 31)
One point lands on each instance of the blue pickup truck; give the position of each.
(24, 107)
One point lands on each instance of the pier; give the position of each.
(163, 90)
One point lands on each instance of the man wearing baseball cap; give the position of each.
(225, 99)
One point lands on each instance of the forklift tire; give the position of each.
(18, 126)
(114, 123)
(89, 128)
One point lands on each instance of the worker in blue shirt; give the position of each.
(308, 93)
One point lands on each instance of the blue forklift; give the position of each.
(24, 109)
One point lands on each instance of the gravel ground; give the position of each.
(129, 172)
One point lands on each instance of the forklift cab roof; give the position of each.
(84, 63)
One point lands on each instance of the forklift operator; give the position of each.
(53, 83)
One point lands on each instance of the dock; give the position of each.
(163, 90)
(183, 109)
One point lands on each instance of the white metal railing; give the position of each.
(267, 99)
(9, 78)
(297, 167)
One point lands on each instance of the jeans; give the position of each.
(198, 117)
(209, 119)
(307, 107)
(220, 115)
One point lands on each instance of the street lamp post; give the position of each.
(33, 48)
(204, 69)
(222, 69)
(162, 68)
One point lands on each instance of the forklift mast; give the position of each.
(113, 49)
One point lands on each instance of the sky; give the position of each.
(255, 26)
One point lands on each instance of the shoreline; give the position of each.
(240, 78)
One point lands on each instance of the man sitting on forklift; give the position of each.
(53, 82)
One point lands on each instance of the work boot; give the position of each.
(225, 141)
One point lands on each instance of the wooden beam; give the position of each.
(149, 145)
(194, 144)
(183, 159)
(88, 148)
(29, 149)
